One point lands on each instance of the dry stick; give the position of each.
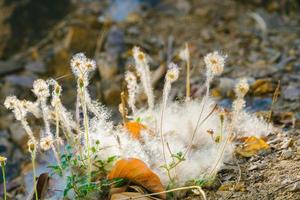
(197, 125)
(284, 186)
(274, 99)
(123, 104)
(168, 191)
(188, 84)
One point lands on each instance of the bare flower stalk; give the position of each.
(171, 76)
(3, 163)
(132, 88)
(141, 64)
(81, 67)
(32, 147)
(185, 56)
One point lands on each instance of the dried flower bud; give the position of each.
(139, 56)
(210, 131)
(184, 54)
(40, 88)
(32, 145)
(214, 63)
(3, 160)
(46, 142)
(241, 88)
(172, 73)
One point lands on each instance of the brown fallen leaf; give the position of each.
(134, 128)
(252, 145)
(42, 184)
(139, 173)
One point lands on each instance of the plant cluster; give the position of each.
(184, 143)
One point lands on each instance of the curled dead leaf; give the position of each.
(139, 173)
(252, 145)
(134, 129)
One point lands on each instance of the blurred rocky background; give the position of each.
(38, 38)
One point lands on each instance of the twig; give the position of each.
(274, 99)
(168, 191)
(284, 186)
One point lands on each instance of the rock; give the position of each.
(23, 80)
(291, 93)
(82, 39)
(18, 135)
(295, 187)
(287, 154)
(287, 143)
(114, 45)
(36, 67)
(7, 67)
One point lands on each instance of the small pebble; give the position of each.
(287, 154)
(295, 187)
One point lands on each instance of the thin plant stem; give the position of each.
(165, 96)
(168, 191)
(56, 155)
(212, 172)
(4, 180)
(33, 156)
(57, 131)
(199, 124)
(86, 131)
(188, 84)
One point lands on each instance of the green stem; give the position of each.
(4, 180)
(86, 130)
(34, 174)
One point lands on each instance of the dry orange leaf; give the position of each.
(138, 172)
(134, 128)
(252, 146)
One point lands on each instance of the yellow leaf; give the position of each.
(252, 146)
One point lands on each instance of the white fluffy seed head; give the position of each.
(184, 54)
(214, 63)
(19, 108)
(81, 65)
(172, 73)
(241, 88)
(132, 88)
(10, 102)
(46, 142)
(41, 89)
(139, 57)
